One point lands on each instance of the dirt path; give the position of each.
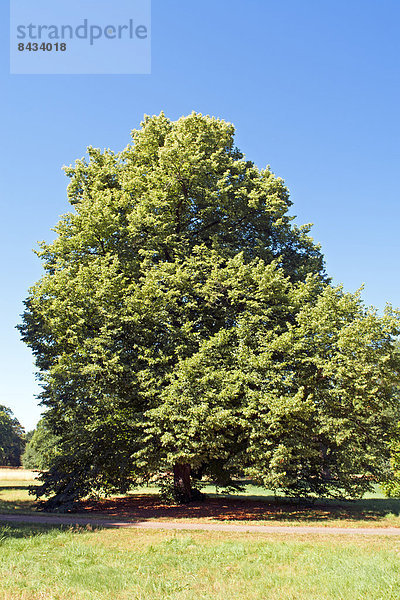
(191, 526)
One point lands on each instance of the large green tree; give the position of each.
(170, 329)
(11, 438)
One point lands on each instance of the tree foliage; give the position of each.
(185, 323)
(41, 448)
(310, 409)
(11, 438)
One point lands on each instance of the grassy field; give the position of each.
(14, 496)
(59, 563)
(14, 485)
(7, 474)
(51, 563)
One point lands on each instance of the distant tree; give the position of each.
(11, 438)
(184, 324)
(40, 449)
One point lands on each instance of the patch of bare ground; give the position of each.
(231, 509)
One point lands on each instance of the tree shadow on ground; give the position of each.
(14, 487)
(242, 508)
(11, 506)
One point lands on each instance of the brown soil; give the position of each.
(144, 507)
(151, 507)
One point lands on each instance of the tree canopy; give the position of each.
(185, 324)
(11, 438)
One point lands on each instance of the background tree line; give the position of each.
(32, 450)
(12, 439)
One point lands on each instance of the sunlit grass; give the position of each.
(9, 474)
(153, 565)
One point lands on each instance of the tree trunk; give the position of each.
(182, 483)
(326, 472)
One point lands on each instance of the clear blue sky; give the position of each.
(312, 88)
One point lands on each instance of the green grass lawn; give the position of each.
(52, 563)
